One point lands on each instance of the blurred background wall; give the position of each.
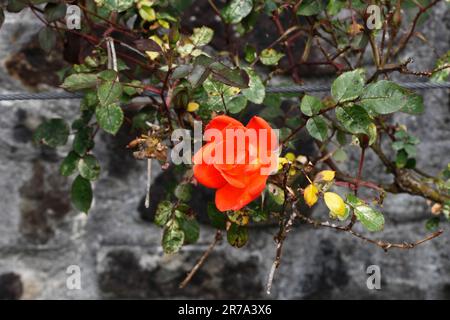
(117, 248)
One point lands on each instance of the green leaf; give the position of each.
(109, 117)
(309, 7)
(237, 10)
(443, 67)
(163, 213)
(198, 75)
(83, 140)
(256, 91)
(348, 86)
(275, 193)
(414, 105)
(274, 198)
(317, 128)
(183, 192)
(232, 77)
(259, 215)
(272, 100)
(109, 92)
(89, 167)
(69, 164)
(270, 57)
(202, 36)
(185, 49)
(218, 219)
(55, 11)
(173, 238)
(218, 94)
(370, 218)
(250, 53)
(47, 39)
(16, 5)
(189, 226)
(432, 224)
(410, 149)
(384, 97)
(147, 13)
(334, 6)
(237, 104)
(354, 118)
(80, 81)
(182, 71)
(311, 105)
(354, 201)
(116, 5)
(53, 132)
(341, 137)
(269, 7)
(401, 159)
(81, 194)
(108, 75)
(90, 100)
(237, 236)
(132, 88)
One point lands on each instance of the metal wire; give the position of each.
(40, 96)
(321, 88)
(285, 89)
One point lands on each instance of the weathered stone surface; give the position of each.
(11, 287)
(117, 248)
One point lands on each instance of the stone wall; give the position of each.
(117, 247)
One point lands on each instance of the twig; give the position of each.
(422, 10)
(287, 44)
(385, 245)
(284, 230)
(202, 259)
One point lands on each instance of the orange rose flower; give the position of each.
(237, 160)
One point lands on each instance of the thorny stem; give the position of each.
(287, 44)
(385, 245)
(285, 227)
(422, 10)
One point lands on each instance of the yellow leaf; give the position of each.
(157, 40)
(325, 175)
(335, 203)
(310, 195)
(355, 28)
(239, 217)
(290, 156)
(164, 24)
(281, 162)
(192, 106)
(147, 13)
(152, 54)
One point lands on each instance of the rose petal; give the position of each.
(257, 124)
(221, 122)
(209, 176)
(235, 181)
(232, 198)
